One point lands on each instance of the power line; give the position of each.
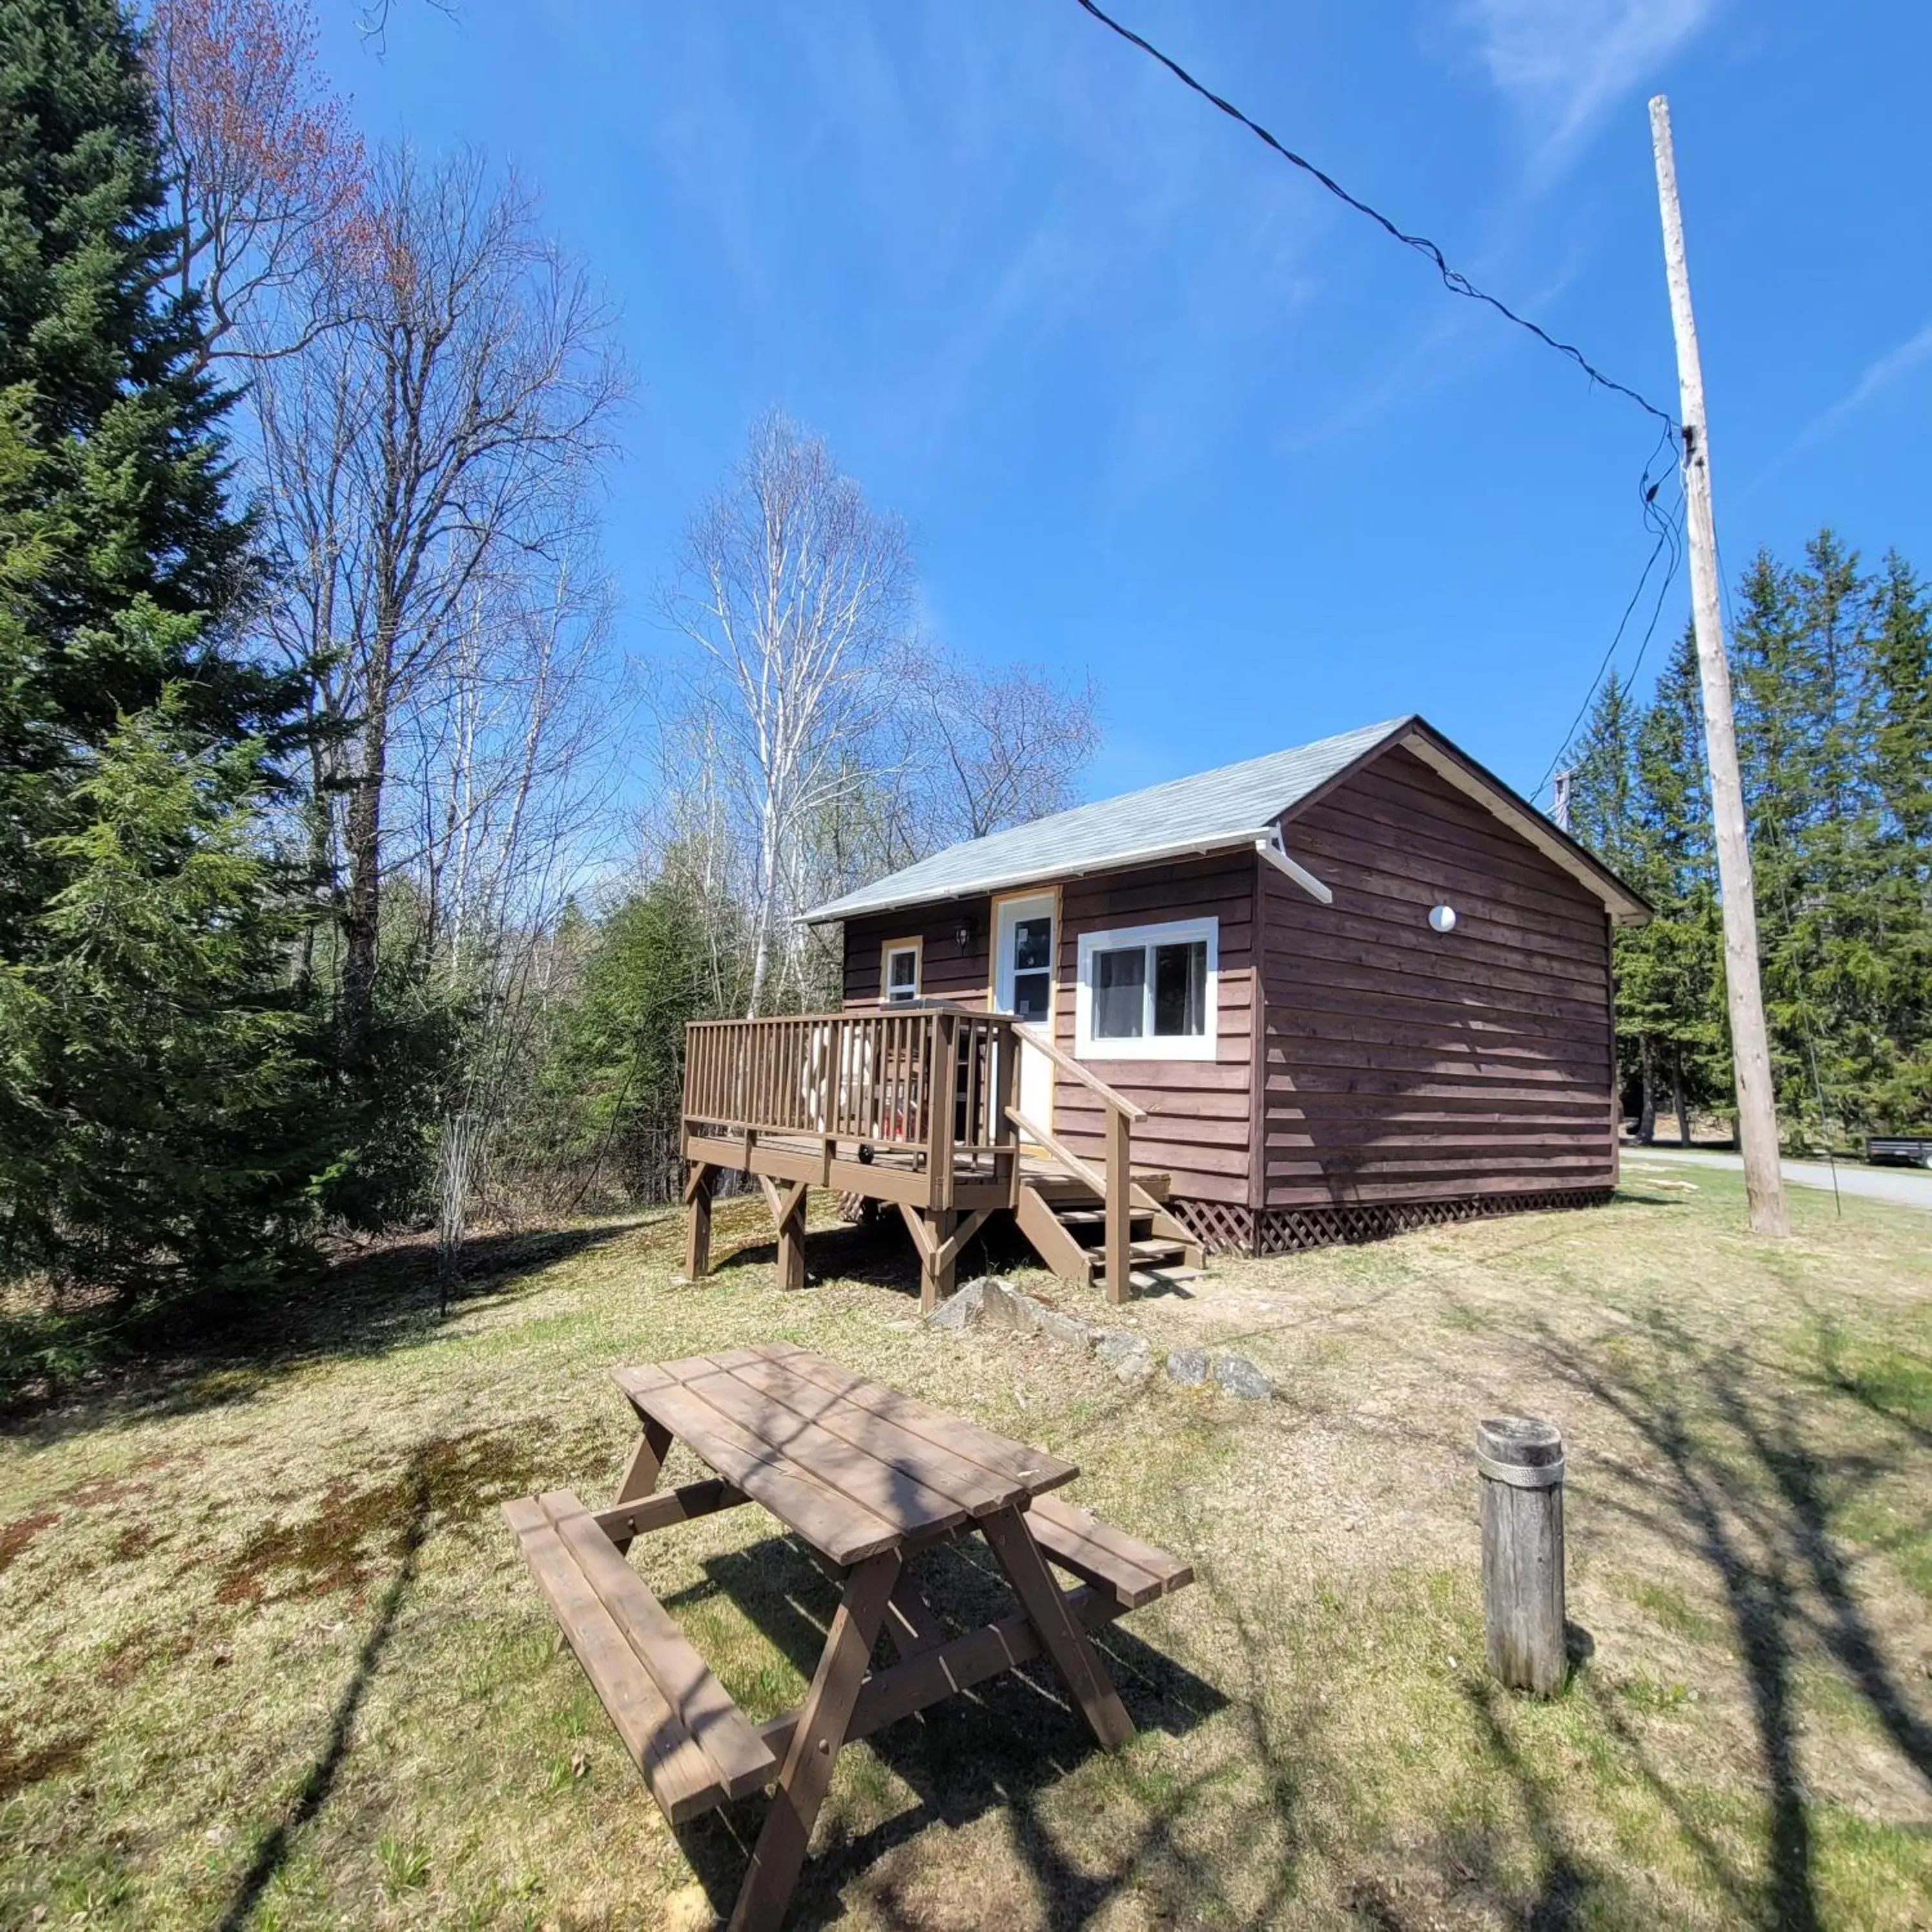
(1453, 279)
(1669, 537)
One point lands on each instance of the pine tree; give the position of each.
(1669, 983)
(1901, 779)
(175, 1066)
(137, 741)
(112, 471)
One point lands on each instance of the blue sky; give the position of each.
(1153, 406)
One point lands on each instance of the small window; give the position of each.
(901, 973)
(1147, 993)
(1032, 969)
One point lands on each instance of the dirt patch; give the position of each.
(20, 1769)
(150, 1644)
(132, 1543)
(357, 1530)
(16, 1536)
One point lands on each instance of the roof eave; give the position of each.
(833, 910)
(1625, 905)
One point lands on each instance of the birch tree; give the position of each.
(797, 595)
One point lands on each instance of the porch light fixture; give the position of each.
(1442, 918)
(962, 934)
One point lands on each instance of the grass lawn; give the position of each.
(268, 1658)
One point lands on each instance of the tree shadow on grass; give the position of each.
(64, 1371)
(1004, 1744)
(273, 1851)
(1737, 1467)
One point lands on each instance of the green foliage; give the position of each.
(153, 1044)
(619, 1064)
(1832, 673)
(159, 1112)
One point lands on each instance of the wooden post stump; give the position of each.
(1519, 1466)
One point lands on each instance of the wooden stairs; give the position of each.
(1065, 1220)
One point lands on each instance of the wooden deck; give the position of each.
(914, 1106)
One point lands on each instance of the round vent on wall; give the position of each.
(1443, 918)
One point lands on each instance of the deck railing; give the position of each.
(923, 1090)
(926, 1081)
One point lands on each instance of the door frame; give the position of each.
(995, 953)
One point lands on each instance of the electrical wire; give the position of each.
(1453, 279)
(1666, 522)
(1669, 533)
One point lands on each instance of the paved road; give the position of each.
(1902, 1186)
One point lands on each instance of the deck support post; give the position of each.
(697, 1221)
(938, 1253)
(1120, 1204)
(788, 1206)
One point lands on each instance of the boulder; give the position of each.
(1239, 1376)
(958, 1313)
(1187, 1366)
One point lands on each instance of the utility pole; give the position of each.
(1750, 1052)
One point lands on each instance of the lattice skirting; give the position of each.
(1224, 1228)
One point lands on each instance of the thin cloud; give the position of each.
(1879, 375)
(1565, 61)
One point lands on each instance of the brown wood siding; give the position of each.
(1200, 1130)
(1401, 1064)
(945, 973)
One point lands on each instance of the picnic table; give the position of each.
(866, 1476)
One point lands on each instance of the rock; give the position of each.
(1135, 1367)
(1005, 1307)
(1239, 1376)
(1059, 1327)
(1187, 1366)
(958, 1313)
(1115, 1345)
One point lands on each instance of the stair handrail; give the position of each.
(1060, 1151)
(1079, 1071)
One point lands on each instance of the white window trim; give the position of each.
(888, 952)
(1149, 1046)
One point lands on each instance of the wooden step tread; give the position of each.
(1147, 1279)
(1132, 1572)
(1096, 1217)
(681, 1727)
(1159, 1249)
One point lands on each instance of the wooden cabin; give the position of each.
(1325, 994)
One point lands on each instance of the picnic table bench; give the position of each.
(866, 1476)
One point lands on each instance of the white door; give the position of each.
(1023, 986)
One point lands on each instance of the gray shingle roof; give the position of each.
(1209, 811)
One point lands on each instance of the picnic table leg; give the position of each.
(646, 1465)
(1060, 1635)
(910, 1621)
(647, 1462)
(806, 1774)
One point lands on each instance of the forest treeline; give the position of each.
(351, 874)
(1831, 672)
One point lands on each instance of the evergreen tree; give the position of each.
(1669, 973)
(122, 572)
(1901, 776)
(112, 471)
(1600, 780)
(173, 1064)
